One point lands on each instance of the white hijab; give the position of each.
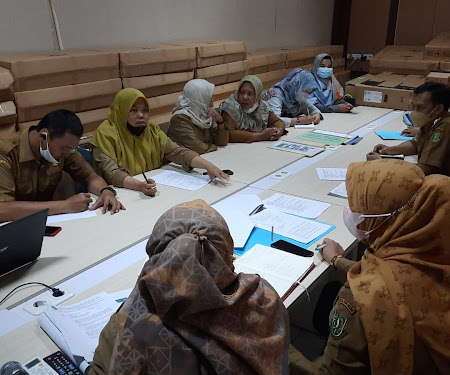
(194, 102)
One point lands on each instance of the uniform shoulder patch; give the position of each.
(347, 305)
(436, 137)
(337, 324)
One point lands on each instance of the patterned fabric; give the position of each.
(189, 313)
(329, 90)
(402, 289)
(255, 121)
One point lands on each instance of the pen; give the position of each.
(143, 174)
(256, 209)
(271, 236)
(320, 247)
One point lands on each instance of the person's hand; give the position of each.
(383, 149)
(216, 173)
(373, 156)
(331, 250)
(349, 106)
(315, 119)
(77, 203)
(148, 188)
(266, 134)
(304, 120)
(410, 132)
(345, 108)
(108, 201)
(214, 114)
(276, 134)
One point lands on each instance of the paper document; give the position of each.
(297, 148)
(393, 135)
(295, 205)
(245, 203)
(181, 180)
(321, 136)
(332, 174)
(66, 217)
(297, 228)
(339, 191)
(306, 126)
(280, 268)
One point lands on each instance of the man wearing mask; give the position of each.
(31, 166)
(430, 104)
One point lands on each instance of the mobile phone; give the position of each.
(228, 172)
(51, 231)
(291, 248)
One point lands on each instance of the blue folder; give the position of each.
(391, 135)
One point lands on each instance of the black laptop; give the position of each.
(21, 241)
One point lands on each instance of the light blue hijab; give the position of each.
(295, 81)
(329, 90)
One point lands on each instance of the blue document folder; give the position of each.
(390, 135)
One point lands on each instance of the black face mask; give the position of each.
(136, 131)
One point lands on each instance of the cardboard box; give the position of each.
(162, 120)
(216, 52)
(438, 77)
(7, 113)
(33, 71)
(444, 66)
(6, 81)
(7, 129)
(155, 59)
(299, 56)
(402, 60)
(222, 92)
(33, 105)
(160, 84)
(386, 90)
(335, 50)
(224, 73)
(164, 104)
(271, 78)
(438, 48)
(343, 77)
(266, 60)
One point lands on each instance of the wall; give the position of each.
(25, 25)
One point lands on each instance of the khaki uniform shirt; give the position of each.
(185, 133)
(347, 351)
(23, 178)
(108, 168)
(433, 146)
(237, 135)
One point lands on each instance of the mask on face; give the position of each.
(407, 119)
(251, 109)
(420, 119)
(46, 153)
(301, 97)
(136, 130)
(325, 73)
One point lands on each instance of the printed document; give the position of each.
(186, 181)
(332, 174)
(296, 206)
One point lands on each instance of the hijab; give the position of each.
(402, 288)
(255, 119)
(189, 313)
(194, 102)
(136, 153)
(329, 90)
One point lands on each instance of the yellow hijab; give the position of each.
(137, 154)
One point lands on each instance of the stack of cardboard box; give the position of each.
(269, 65)
(438, 49)
(8, 115)
(83, 81)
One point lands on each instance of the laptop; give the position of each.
(21, 241)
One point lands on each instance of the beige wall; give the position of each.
(25, 24)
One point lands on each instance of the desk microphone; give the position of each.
(12, 368)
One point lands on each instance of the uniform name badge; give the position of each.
(337, 324)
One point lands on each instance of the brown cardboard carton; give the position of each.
(266, 60)
(33, 71)
(384, 90)
(335, 50)
(444, 66)
(438, 48)
(33, 105)
(160, 84)
(6, 81)
(299, 56)
(7, 113)
(402, 60)
(216, 52)
(7, 129)
(163, 104)
(222, 92)
(154, 59)
(441, 77)
(162, 120)
(270, 78)
(224, 73)
(343, 77)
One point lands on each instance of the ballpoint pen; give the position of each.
(143, 174)
(320, 246)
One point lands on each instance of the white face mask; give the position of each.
(46, 153)
(251, 109)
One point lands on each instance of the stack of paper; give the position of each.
(392, 135)
(339, 191)
(182, 180)
(325, 137)
(296, 206)
(332, 174)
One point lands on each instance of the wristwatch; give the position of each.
(110, 189)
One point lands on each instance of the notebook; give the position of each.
(281, 269)
(21, 241)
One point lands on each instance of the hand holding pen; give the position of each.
(149, 186)
(329, 249)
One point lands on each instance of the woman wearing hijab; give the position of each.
(127, 144)
(195, 124)
(392, 315)
(189, 313)
(329, 94)
(248, 117)
(288, 99)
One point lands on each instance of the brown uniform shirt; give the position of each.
(433, 146)
(347, 351)
(23, 178)
(237, 135)
(183, 131)
(108, 168)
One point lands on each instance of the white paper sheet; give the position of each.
(306, 126)
(297, 206)
(299, 229)
(245, 203)
(332, 174)
(339, 191)
(332, 133)
(181, 180)
(66, 217)
(297, 148)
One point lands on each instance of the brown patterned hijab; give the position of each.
(402, 288)
(189, 313)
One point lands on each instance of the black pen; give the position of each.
(143, 174)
